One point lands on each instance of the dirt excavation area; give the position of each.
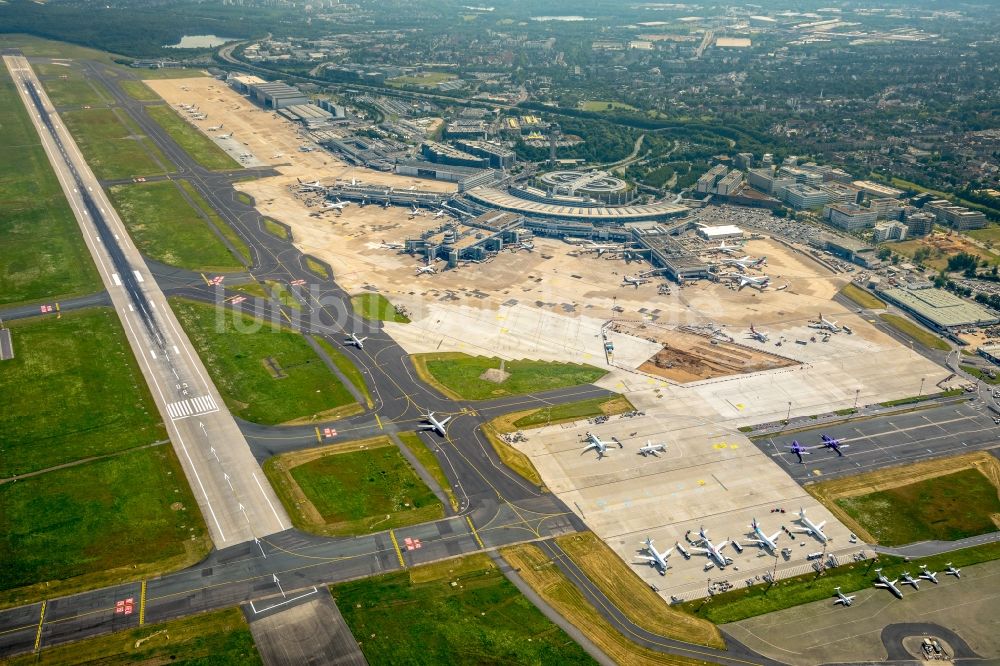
(691, 355)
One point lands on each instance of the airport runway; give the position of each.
(226, 480)
(885, 441)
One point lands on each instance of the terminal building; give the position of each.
(471, 240)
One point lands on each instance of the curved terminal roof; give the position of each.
(506, 201)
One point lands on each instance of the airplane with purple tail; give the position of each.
(799, 450)
(833, 444)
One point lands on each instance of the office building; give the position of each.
(849, 217)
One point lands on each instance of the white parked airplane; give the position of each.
(393, 246)
(225, 136)
(812, 528)
(759, 283)
(634, 281)
(842, 598)
(434, 424)
(759, 336)
(714, 552)
(426, 270)
(825, 324)
(887, 584)
(599, 445)
(440, 213)
(724, 249)
(216, 128)
(655, 559)
(928, 575)
(763, 540)
(415, 212)
(651, 449)
(745, 262)
(314, 186)
(356, 341)
(908, 580)
(338, 205)
(952, 571)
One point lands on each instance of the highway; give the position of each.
(227, 482)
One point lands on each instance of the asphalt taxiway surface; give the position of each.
(886, 441)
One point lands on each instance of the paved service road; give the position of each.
(236, 501)
(886, 441)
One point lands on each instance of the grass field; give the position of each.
(510, 456)
(862, 297)
(914, 399)
(418, 447)
(376, 307)
(458, 375)
(117, 518)
(742, 603)
(203, 150)
(113, 145)
(275, 229)
(76, 92)
(917, 333)
(266, 374)
(979, 374)
(632, 595)
(603, 105)
(244, 198)
(138, 90)
(573, 411)
(82, 360)
(420, 617)
(948, 508)
(545, 578)
(42, 254)
(347, 368)
(317, 268)
(168, 229)
(352, 488)
(222, 638)
(234, 238)
(47, 48)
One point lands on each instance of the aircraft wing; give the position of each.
(774, 537)
(425, 426)
(723, 544)
(444, 420)
(695, 549)
(820, 525)
(644, 558)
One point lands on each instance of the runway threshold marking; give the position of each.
(38, 634)
(395, 544)
(474, 532)
(142, 603)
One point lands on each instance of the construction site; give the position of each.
(691, 353)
